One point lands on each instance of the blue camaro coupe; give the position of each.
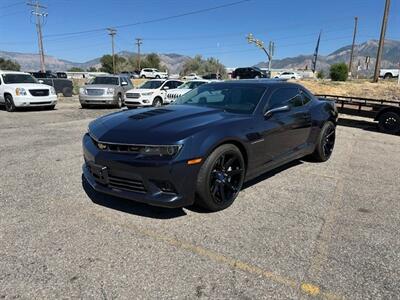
(202, 148)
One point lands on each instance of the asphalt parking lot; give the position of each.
(308, 230)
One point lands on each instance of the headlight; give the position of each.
(110, 91)
(147, 93)
(52, 91)
(169, 150)
(82, 90)
(20, 92)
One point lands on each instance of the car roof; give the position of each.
(13, 72)
(260, 82)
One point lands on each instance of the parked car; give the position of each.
(151, 93)
(388, 73)
(191, 76)
(289, 75)
(18, 89)
(204, 146)
(57, 80)
(130, 75)
(248, 73)
(184, 88)
(153, 73)
(212, 76)
(105, 90)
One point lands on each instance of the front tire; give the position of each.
(389, 122)
(143, 76)
(325, 143)
(120, 102)
(220, 178)
(9, 103)
(157, 102)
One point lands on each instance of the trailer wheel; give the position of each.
(67, 92)
(389, 122)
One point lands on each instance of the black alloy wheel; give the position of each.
(221, 178)
(9, 103)
(389, 122)
(325, 142)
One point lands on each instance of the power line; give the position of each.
(12, 5)
(156, 20)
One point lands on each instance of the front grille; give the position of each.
(133, 95)
(150, 113)
(95, 92)
(126, 184)
(39, 93)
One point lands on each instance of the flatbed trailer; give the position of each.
(385, 112)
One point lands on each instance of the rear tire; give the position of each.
(67, 92)
(157, 77)
(325, 142)
(220, 178)
(143, 76)
(388, 76)
(9, 103)
(389, 122)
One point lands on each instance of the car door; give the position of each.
(286, 126)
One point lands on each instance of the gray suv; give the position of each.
(105, 90)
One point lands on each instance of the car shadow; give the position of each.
(361, 124)
(253, 182)
(131, 207)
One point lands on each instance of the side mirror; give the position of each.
(40, 81)
(166, 88)
(273, 111)
(124, 83)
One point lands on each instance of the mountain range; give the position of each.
(174, 62)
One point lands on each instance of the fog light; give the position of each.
(165, 186)
(146, 101)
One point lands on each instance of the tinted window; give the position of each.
(283, 96)
(106, 80)
(18, 78)
(231, 98)
(306, 97)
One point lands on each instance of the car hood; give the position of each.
(28, 86)
(142, 90)
(179, 91)
(157, 125)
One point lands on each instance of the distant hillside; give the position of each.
(31, 62)
(391, 57)
(174, 62)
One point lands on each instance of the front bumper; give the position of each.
(98, 100)
(139, 102)
(142, 180)
(30, 101)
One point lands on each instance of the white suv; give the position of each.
(18, 89)
(153, 73)
(289, 75)
(151, 93)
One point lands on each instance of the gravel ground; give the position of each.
(308, 230)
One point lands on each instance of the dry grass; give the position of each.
(388, 90)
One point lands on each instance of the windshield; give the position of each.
(232, 98)
(152, 84)
(18, 78)
(191, 84)
(106, 80)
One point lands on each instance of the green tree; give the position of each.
(321, 74)
(7, 64)
(107, 63)
(91, 69)
(339, 72)
(202, 66)
(76, 69)
(151, 60)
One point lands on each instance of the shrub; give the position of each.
(321, 74)
(339, 72)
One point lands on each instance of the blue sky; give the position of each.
(293, 25)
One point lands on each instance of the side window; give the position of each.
(282, 97)
(176, 84)
(297, 100)
(306, 97)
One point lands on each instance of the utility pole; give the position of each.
(39, 18)
(112, 32)
(381, 41)
(138, 44)
(260, 44)
(352, 46)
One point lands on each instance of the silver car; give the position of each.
(105, 90)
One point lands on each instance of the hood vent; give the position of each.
(150, 113)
